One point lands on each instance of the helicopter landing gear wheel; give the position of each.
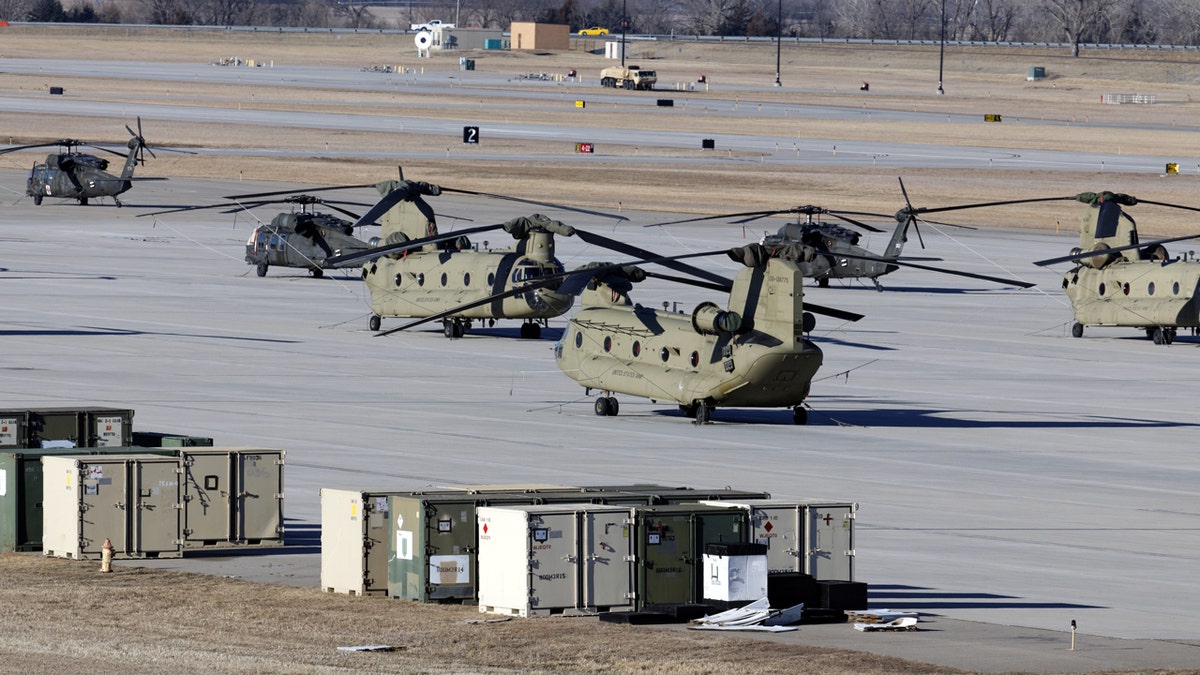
(374, 322)
(823, 282)
(531, 331)
(613, 406)
(317, 273)
(454, 328)
(688, 410)
(261, 269)
(1163, 336)
(602, 406)
(37, 200)
(83, 201)
(1077, 330)
(800, 415)
(703, 413)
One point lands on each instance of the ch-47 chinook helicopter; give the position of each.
(839, 254)
(80, 176)
(1119, 281)
(304, 239)
(422, 274)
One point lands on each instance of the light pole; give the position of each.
(942, 50)
(624, 21)
(778, 44)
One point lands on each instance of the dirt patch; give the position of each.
(65, 615)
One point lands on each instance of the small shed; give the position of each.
(529, 35)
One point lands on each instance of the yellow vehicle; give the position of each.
(594, 30)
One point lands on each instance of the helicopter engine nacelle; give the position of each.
(709, 319)
(1101, 260)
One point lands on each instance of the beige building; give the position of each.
(528, 35)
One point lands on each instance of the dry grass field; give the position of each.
(61, 615)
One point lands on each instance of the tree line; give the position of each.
(1141, 22)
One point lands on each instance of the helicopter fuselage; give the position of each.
(423, 283)
(754, 355)
(74, 176)
(1140, 294)
(301, 240)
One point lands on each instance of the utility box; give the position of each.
(21, 481)
(812, 536)
(134, 501)
(555, 559)
(670, 542)
(66, 427)
(1036, 73)
(233, 497)
(355, 529)
(735, 572)
(433, 547)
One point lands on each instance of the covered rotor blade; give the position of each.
(380, 251)
(535, 202)
(649, 256)
(1089, 254)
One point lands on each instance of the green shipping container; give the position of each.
(87, 427)
(670, 548)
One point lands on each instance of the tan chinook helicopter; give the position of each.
(752, 354)
(1119, 281)
(422, 274)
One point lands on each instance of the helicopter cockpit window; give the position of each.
(526, 272)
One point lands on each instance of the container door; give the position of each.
(831, 541)
(259, 500)
(59, 428)
(607, 566)
(451, 548)
(666, 574)
(14, 430)
(553, 561)
(208, 493)
(156, 516)
(110, 431)
(779, 527)
(405, 545)
(377, 529)
(104, 506)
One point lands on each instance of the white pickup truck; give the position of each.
(431, 25)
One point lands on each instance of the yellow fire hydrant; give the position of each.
(106, 556)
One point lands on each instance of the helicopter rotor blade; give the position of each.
(689, 281)
(535, 202)
(380, 251)
(1169, 205)
(831, 311)
(755, 214)
(643, 254)
(1090, 254)
(276, 193)
(941, 270)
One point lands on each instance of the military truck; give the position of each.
(631, 77)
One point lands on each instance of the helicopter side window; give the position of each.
(637, 348)
(578, 340)
(467, 279)
(421, 279)
(1175, 288)
(491, 279)
(694, 359)
(607, 343)
(1150, 288)
(665, 354)
(1102, 289)
(444, 279)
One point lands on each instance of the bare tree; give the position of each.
(1078, 20)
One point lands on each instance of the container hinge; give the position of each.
(278, 495)
(570, 558)
(629, 595)
(629, 558)
(850, 552)
(178, 506)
